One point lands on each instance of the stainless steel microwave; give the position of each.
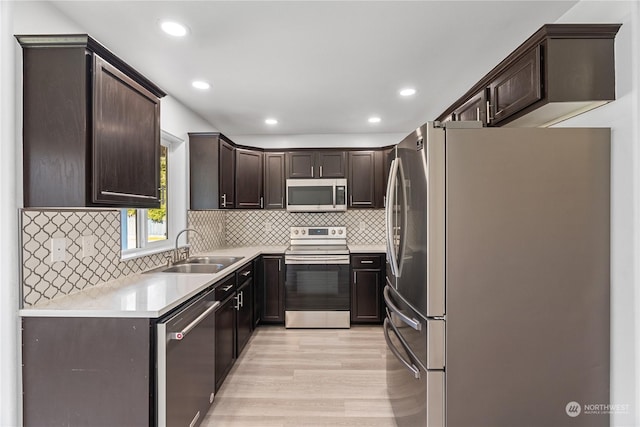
(316, 195)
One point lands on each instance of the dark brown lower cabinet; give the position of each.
(367, 275)
(244, 315)
(273, 289)
(225, 339)
(88, 371)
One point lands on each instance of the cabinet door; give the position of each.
(273, 279)
(366, 293)
(248, 179)
(361, 183)
(244, 315)
(474, 109)
(126, 140)
(274, 181)
(300, 164)
(225, 339)
(516, 87)
(227, 162)
(330, 164)
(203, 171)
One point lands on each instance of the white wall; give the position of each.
(622, 116)
(320, 141)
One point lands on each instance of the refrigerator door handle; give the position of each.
(414, 323)
(393, 262)
(410, 366)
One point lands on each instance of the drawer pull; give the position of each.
(226, 288)
(366, 262)
(246, 273)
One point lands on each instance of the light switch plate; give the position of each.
(58, 249)
(88, 245)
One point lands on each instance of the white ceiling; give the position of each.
(319, 67)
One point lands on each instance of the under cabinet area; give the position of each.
(367, 283)
(91, 126)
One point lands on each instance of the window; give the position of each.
(147, 230)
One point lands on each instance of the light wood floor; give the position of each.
(306, 377)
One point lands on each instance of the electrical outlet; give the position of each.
(88, 245)
(267, 226)
(362, 226)
(58, 249)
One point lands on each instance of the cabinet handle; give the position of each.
(282, 201)
(320, 171)
(311, 171)
(246, 273)
(279, 265)
(478, 114)
(384, 201)
(261, 202)
(489, 118)
(351, 200)
(226, 288)
(237, 298)
(135, 196)
(241, 299)
(224, 200)
(355, 280)
(366, 262)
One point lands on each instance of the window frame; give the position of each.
(148, 248)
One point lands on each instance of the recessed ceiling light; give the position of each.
(271, 121)
(199, 84)
(374, 119)
(173, 28)
(408, 91)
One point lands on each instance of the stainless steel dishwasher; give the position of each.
(186, 363)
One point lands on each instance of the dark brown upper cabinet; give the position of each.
(227, 174)
(274, 180)
(316, 164)
(474, 109)
(361, 182)
(91, 126)
(203, 170)
(249, 179)
(560, 71)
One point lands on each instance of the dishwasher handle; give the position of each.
(183, 333)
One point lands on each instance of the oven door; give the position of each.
(317, 291)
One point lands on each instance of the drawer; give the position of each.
(225, 288)
(245, 272)
(366, 261)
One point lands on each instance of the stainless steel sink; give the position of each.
(200, 264)
(194, 268)
(224, 260)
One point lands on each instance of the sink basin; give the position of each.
(194, 268)
(224, 260)
(201, 264)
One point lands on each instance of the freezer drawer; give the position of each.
(425, 337)
(416, 395)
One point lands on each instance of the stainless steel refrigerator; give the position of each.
(498, 277)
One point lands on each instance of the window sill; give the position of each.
(149, 250)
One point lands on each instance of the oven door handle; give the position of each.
(183, 333)
(316, 259)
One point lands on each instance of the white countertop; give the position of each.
(147, 295)
(354, 249)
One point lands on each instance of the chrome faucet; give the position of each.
(175, 251)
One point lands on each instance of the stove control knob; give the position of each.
(304, 231)
(339, 231)
(295, 231)
(333, 231)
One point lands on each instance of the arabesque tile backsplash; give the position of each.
(43, 280)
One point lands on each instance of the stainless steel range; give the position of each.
(317, 278)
